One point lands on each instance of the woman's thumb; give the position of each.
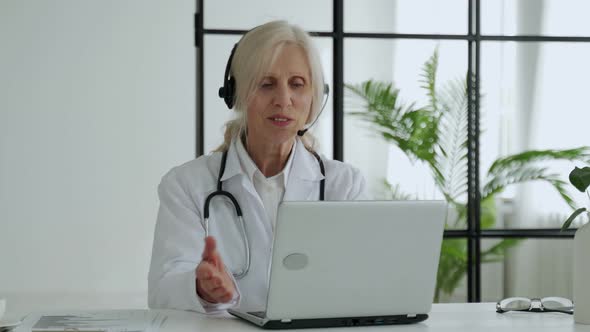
(210, 247)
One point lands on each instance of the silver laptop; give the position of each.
(351, 263)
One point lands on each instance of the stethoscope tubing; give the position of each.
(220, 192)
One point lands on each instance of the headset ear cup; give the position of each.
(230, 92)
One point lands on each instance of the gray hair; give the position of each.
(255, 52)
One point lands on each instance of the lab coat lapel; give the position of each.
(236, 182)
(234, 175)
(304, 177)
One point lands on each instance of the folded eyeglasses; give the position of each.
(546, 304)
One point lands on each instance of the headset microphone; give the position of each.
(327, 93)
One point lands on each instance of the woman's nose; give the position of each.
(283, 96)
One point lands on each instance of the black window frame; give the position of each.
(473, 233)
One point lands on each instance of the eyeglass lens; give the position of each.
(515, 303)
(556, 303)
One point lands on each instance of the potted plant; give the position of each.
(436, 134)
(580, 178)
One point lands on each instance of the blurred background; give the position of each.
(98, 99)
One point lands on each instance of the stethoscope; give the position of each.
(239, 274)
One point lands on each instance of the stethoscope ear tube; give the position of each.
(222, 193)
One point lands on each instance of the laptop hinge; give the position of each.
(412, 316)
(285, 320)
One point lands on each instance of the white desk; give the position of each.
(443, 317)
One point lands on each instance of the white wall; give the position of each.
(97, 102)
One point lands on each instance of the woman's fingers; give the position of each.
(217, 286)
(223, 295)
(217, 283)
(205, 271)
(226, 297)
(218, 293)
(203, 275)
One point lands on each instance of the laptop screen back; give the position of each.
(354, 258)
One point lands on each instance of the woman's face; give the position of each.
(282, 99)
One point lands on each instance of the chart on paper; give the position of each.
(101, 321)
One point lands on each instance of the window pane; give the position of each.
(533, 94)
(535, 17)
(452, 272)
(217, 50)
(402, 16)
(312, 15)
(530, 268)
(399, 148)
(323, 130)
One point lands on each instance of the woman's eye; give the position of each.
(298, 84)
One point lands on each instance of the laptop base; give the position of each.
(336, 322)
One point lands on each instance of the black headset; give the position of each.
(228, 91)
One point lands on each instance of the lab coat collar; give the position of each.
(303, 166)
(232, 164)
(249, 166)
(305, 176)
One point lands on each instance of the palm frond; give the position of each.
(380, 97)
(450, 152)
(381, 105)
(421, 127)
(517, 160)
(429, 79)
(496, 182)
(412, 129)
(488, 212)
(394, 192)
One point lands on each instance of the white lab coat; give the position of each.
(178, 239)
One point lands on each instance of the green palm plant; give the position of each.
(436, 134)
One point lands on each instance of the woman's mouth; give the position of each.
(280, 121)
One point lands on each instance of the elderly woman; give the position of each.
(275, 78)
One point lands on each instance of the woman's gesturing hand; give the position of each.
(213, 282)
